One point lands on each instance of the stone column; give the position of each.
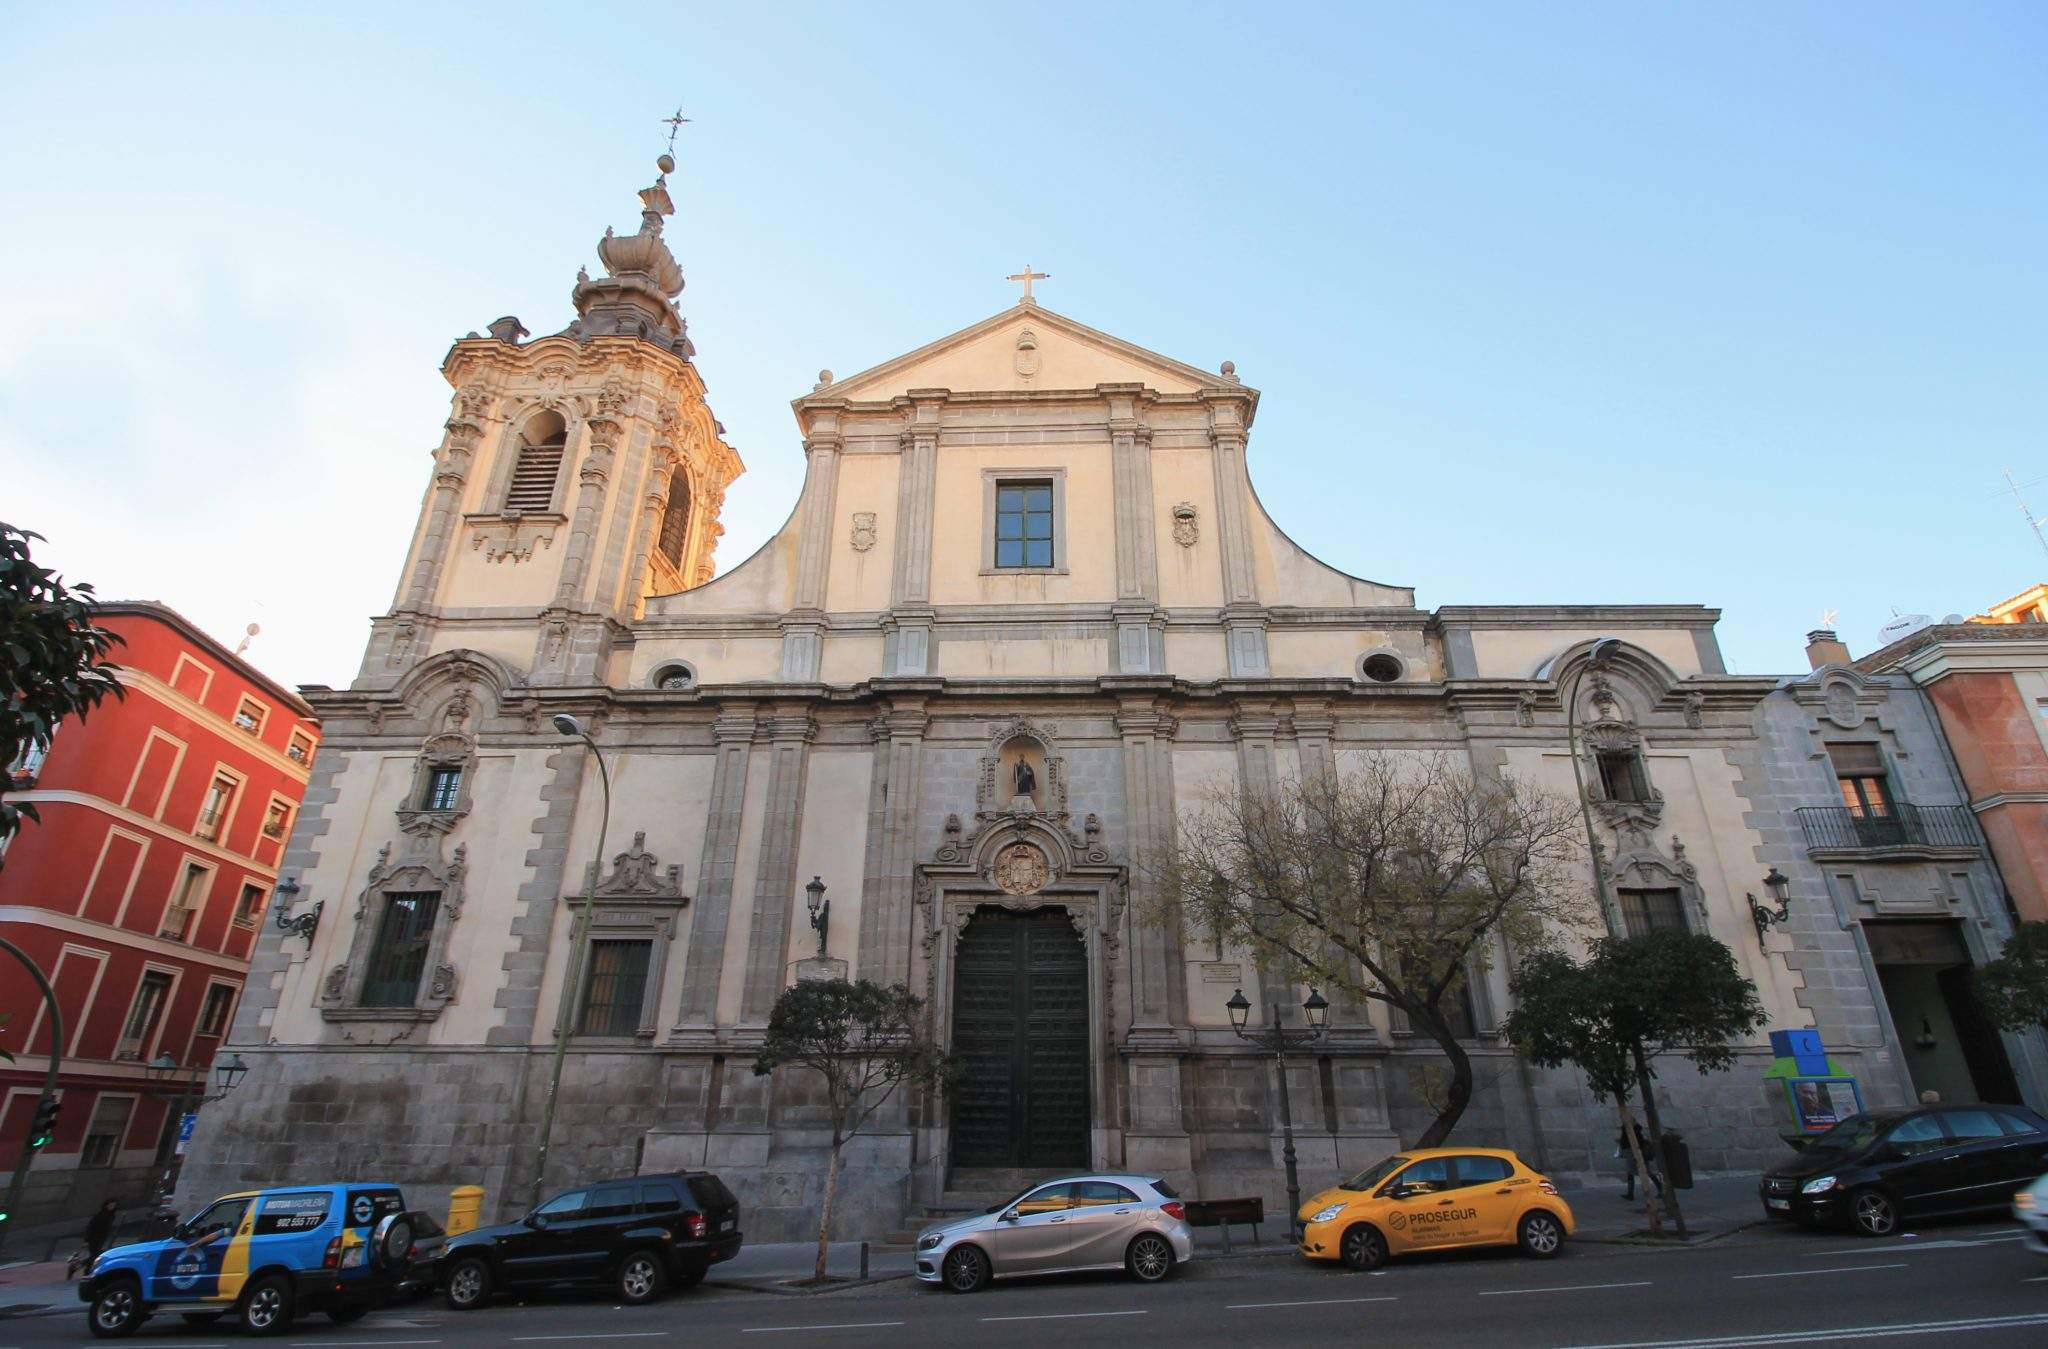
(1350, 1021)
(887, 913)
(711, 908)
(591, 479)
(803, 627)
(1140, 647)
(444, 506)
(1154, 951)
(1244, 621)
(790, 731)
(661, 464)
(910, 577)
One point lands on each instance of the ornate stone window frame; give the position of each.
(421, 869)
(991, 479)
(444, 750)
(660, 676)
(638, 901)
(1640, 865)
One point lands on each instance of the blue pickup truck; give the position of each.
(263, 1257)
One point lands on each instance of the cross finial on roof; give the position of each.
(1027, 276)
(674, 124)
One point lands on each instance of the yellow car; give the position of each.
(1433, 1199)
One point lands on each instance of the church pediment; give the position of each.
(1022, 349)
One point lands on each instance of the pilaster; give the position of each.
(1155, 965)
(711, 911)
(887, 910)
(909, 624)
(790, 729)
(802, 635)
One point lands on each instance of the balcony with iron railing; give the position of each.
(1901, 829)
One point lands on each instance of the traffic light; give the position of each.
(43, 1127)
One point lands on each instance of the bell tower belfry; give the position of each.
(577, 474)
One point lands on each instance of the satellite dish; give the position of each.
(1905, 625)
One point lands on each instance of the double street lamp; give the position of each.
(1277, 1039)
(163, 1072)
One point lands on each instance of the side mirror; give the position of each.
(1798, 1142)
(1009, 1217)
(534, 1220)
(1396, 1192)
(182, 1232)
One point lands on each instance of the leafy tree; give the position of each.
(1632, 1000)
(862, 1041)
(1389, 882)
(52, 658)
(2014, 987)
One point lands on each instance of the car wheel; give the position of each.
(1149, 1258)
(349, 1315)
(469, 1285)
(966, 1270)
(266, 1308)
(200, 1319)
(1540, 1235)
(691, 1277)
(1363, 1247)
(641, 1278)
(117, 1311)
(1873, 1213)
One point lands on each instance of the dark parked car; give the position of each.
(640, 1235)
(1873, 1171)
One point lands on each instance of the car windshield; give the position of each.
(1853, 1134)
(1373, 1175)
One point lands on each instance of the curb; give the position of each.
(1644, 1240)
(772, 1289)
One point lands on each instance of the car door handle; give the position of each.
(1504, 1190)
(1059, 1220)
(1444, 1203)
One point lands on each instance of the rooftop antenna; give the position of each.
(2033, 522)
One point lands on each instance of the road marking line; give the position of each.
(1064, 1316)
(1565, 1288)
(321, 1344)
(842, 1325)
(1832, 1333)
(1838, 1269)
(618, 1335)
(1310, 1302)
(1959, 1243)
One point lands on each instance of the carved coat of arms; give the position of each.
(1020, 869)
(863, 531)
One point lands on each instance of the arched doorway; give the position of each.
(1020, 1029)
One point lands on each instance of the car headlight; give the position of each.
(1820, 1185)
(930, 1241)
(1328, 1213)
(2023, 1200)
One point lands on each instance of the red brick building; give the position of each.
(140, 894)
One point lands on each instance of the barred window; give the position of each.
(444, 789)
(616, 986)
(1647, 911)
(399, 955)
(539, 464)
(1622, 777)
(675, 518)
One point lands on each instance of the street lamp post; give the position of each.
(1277, 1039)
(566, 724)
(189, 1095)
(821, 910)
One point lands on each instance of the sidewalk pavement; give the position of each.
(36, 1288)
(1715, 1206)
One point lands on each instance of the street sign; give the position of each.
(185, 1124)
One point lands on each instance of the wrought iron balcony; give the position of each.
(1840, 828)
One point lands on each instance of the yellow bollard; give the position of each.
(465, 1202)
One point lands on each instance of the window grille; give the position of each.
(399, 955)
(1647, 911)
(617, 983)
(444, 789)
(533, 476)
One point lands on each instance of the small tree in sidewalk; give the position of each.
(1631, 1001)
(863, 1041)
(2014, 987)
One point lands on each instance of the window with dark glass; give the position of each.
(142, 1016)
(398, 956)
(675, 518)
(612, 1201)
(615, 988)
(220, 796)
(444, 789)
(1622, 777)
(1647, 911)
(213, 1016)
(184, 905)
(1024, 524)
(570, 1205)
(103, 1135)
(1860, 773)
(1477, 1170)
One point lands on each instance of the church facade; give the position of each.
(1028, 609)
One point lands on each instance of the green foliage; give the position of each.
(861, 1039)
(52, 657)
(1664, 993)
(2014, 987)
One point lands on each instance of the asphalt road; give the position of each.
(1971, 1284)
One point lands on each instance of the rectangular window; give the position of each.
(249, 716)
(277, 820)
(399, 955)
(213, 1014)
(184, 905)
(143, 1016)
(301, 747)
(249, 908)
(1024, 524)
(1647, 911)
(617, 983)
(444, 789)
(1622, 777)
(220, 799)
(104, 1134)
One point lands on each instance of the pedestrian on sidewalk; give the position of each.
(1621, 1150)
(99, 1229)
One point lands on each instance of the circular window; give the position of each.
(1381, 667)
(675, 678)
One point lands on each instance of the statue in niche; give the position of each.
(1027, 781)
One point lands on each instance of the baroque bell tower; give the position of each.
(577, 474)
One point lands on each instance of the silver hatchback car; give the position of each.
(1133, 1223)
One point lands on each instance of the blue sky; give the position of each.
(1740, 305)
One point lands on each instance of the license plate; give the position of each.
(1779, 1203)
(726, 1226)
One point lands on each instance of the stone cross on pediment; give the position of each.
(638, 874)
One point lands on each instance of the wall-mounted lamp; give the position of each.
(1781, 890)
(1925, 1040)
(305, 924)
(821, 910)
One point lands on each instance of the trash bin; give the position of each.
(465, 1203)
(1677, 1160)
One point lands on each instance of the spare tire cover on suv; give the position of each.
(391, 1243)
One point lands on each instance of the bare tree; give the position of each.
(863, 1041)
(1387, 882)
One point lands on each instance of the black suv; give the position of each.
(639, 1235)
(1872, 1171)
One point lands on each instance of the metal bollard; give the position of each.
(863, 1261)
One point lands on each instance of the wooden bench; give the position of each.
(1223, 1212)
